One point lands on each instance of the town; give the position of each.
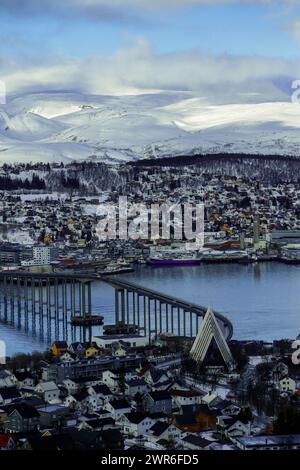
(245, 219)
(126, 389)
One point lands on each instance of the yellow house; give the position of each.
(91, 351)
(59, 347)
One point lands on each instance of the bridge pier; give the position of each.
(61, 298)
(39, 303)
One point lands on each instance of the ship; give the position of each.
(216, 256)
(91, 320)
(174, 258)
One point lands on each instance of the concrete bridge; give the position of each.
(43, 302)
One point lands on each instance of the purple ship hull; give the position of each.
(174, 262)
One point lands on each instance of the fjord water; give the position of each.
(262, 300)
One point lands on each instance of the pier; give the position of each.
(47, 304)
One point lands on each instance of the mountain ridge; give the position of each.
(61, 127)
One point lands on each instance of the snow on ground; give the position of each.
(42, 196)
(17, 236)
(55, 127)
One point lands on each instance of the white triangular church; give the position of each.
(209, 330)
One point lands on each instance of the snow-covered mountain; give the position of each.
(66, 126)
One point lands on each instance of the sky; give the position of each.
(243, 49)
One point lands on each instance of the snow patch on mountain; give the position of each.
(55, 127)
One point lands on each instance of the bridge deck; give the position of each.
(116, 282)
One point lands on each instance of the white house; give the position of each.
(70, 385)
(66, 358)
(102, 393)
(163, 430)
(234, 426)
(136, 424)
(186, 397)
(134, 386)
(287, 385)
(48, 391)
(110, 379)
(117, 408)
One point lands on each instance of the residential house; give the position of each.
(158, 401)
(70, 385)
(134, 386)
(164, 430)
(186, 397)
(7, 442)
(136, 424)
(111, 379)
(8, 395)
(7, 379)
(48, 391)
(118, 408)
(196, 418)
(101, 392)
(24, 379)
(194, 442)
(52, 415)
(287, 385)
(234, 426)
(92, 351)
(84, 401)
(77, 348)
(59, 348)
(22, 418)
(67, 357)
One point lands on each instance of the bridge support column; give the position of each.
(41, 317)
(64, 307)
(33, 319)
(72, 298)
(138, 312)
(117, 306)
(56, 309)
(12, 300)
(167, 318)
(160, 317)
(83, 308)
(19, 300)
(127, 310)
(48, 307)
(149, 319)
(145, 315)
(89, 289)
(26, 302)
(155, 317)
(5, 299)
(123, 307)
(133, 308)
(184, 323)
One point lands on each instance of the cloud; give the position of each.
(294, 28)
(140, 68)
